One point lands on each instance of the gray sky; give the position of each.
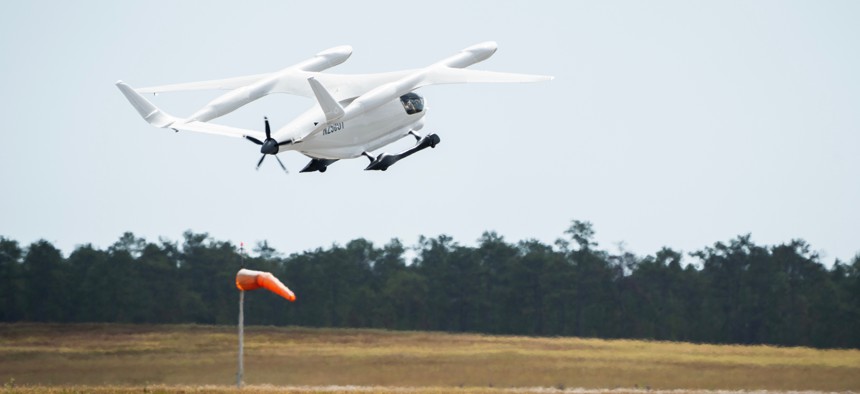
(676, 123)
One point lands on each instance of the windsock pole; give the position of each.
(251, 280)
(240, 374)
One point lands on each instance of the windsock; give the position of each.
(252, 280)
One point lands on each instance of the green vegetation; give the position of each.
(204, 358)
(735, 292)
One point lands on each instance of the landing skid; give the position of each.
(318, 165)
(385, 160)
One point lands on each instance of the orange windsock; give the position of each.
(252, 280)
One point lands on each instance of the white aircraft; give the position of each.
(354, 115)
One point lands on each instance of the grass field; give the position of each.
(189, 358)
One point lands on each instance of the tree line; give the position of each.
(734, 292)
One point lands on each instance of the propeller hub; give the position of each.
(270, 147)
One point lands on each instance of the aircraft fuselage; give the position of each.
(347, 139)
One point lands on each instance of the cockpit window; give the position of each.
(412, 103)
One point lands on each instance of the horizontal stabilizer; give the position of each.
(159, 118)
(329, 105)
(217, 129)
(147, 110)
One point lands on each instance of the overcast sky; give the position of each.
(669, 123)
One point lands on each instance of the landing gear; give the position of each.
(385, 160)
(320, 165)
(433, 141)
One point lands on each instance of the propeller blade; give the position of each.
(254, 140)
(281, 163)
(287, 142)
(260, 162)
(268, 130)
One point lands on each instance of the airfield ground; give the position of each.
(189, 358)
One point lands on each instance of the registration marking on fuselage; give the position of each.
(332, 128)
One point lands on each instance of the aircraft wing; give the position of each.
(211, 128)
(215, 84)
(448, 75)
(341, 86)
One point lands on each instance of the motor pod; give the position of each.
(471, 55)
(326, 59)
(247, 280)
(235, 99)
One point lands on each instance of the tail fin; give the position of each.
(149, 112)
(329, 105)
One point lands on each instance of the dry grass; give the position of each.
(359, 389)
(115, 358)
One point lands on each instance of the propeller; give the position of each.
(269, 147)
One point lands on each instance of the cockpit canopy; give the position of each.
(412, 103)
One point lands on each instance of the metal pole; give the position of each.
(241, 373)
